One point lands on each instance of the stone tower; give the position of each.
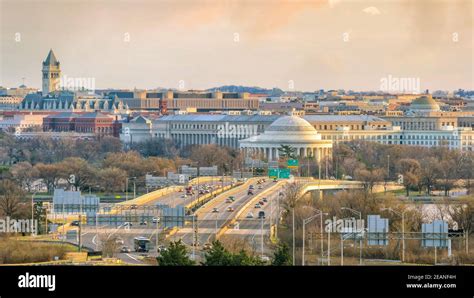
(51, 74)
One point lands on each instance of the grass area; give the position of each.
(14, 251)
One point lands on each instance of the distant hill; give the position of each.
(234, 88)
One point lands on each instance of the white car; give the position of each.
(249, 215)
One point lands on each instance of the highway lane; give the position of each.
(209, 222)
(251, 229)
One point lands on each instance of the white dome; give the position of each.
(291, 123)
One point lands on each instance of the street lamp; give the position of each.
(402, 214)
(32, 209)
(308, 220)
(126, 187)
(360, 240)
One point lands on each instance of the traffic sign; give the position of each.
(279, 173)
(284, 173)
(292, 163)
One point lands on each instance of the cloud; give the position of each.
(372, 10)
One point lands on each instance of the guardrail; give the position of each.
(233, 191)
(154, 195)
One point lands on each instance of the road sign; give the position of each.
(279, 173)
(285, 173)
(292, 163)
(273, 173)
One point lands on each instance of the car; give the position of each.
(257, 205)
(275, 180)
(155, 219)
(207, 246)
(250, 192)
(125, 249)
(183, 196)
(162, 248)
(261, 214)
(127, 224)
(181, 190)
(119, 241)
(75, 223)
(230, 209)
(251, 186)
(133, 206)
(260, 187)
(215, 210)
(143, 223)
(195, 244)
(232, 198)
(261, 202)
(249, 215)
(228, 201)
(265, 200)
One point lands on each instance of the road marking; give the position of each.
(93, 240)
(133, 258)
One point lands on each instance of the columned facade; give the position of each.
(290, 131)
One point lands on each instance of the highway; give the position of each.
(210, 223)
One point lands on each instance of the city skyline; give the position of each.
(205, 44)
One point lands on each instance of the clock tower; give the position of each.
(51, 74)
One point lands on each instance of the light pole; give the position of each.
(32, 210)
(293, 224)
(261, 234)
(360, 239)
(306, 221)
(402, 214)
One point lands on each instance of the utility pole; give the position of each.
(342, 250)
(261, 232)
(329, 247)
(293, 235)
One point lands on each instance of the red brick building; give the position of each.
(95, 122)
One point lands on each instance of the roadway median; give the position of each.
(254, 199)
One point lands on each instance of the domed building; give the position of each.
(290, 131)
(423, 105)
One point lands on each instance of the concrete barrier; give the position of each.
(245, 206)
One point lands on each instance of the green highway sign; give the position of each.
(285, 173)
(292, 163)
(279, 173)
(273, 173)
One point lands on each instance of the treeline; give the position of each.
(177, 255)
(423, 169)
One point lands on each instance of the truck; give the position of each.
(189, 190)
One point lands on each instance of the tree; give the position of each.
(429, 172)
(369, 177)
(10, 197)
(112, 179)
(282, 256)
(217, 255)
(410, 169)
(176, 255)
(25, 174)
(287, 151)
(83, 172)
(50, 173)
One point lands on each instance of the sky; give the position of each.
(198, 44)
